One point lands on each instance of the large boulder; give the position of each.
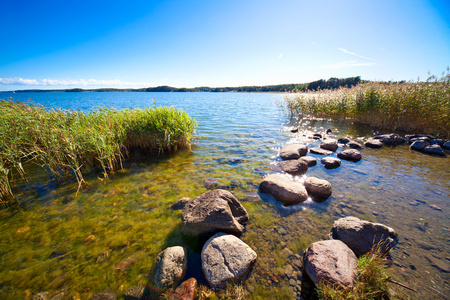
(311, 161)
(330, 162)
(212, 212)
(226, 259)
(390, 139)
(373, 143)
(446, 145)
(318, 189)
(294, 166)
(169, 267)
(350, 154)
(329, 144)
(331, 262)
(293, 151)
(434, 150)
(362, 236)
(283, 189)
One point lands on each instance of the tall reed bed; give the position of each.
(420, 107)
(69, 144)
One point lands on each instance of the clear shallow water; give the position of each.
(239, 136)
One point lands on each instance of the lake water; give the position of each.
(72, 244)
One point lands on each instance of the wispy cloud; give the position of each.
(280, 55)
(346, 64)
(66, 82)
(354, 54)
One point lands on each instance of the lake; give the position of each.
(63, 242)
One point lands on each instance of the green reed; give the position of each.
(69, 144)
(419, 107)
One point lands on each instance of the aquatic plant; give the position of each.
(422, 107)
(69, 144)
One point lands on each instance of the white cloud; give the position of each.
(354, 54)
(346, 64)
(280, 55)
(66, 82)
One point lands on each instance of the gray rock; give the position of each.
(180, 203)
(434, 150)
(330, 261)
(329, 144)
(294, 166)
(439, 142)
(419, 145)
(293, 151)
(331, 162)
(373, 143)
(343, 140)
(350, 154)
(283, 189)
(212, 212)
(311, 161)
(446, 145)
(318, 189)
(354, 145)
(226, 259)
(390, 139)
(317, 136)
(362, 236)
(107, 294)
(169, 267)
(134, 292)
(320, 151)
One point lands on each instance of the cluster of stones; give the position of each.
(334, 261)
(212, 222)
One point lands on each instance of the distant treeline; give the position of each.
(322, 84)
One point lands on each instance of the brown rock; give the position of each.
(329, 144)
(373, 143)
(320, 151)
(330, 162)
(310, 161)
(185, 291)
(330, 261)
(294, 166)
(293, 151)
(283, 189)
(318, 189)
(350, 154)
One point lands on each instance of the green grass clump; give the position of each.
(371, 281)
(422, 107)
(69, 144)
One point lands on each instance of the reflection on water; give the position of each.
(109, 234)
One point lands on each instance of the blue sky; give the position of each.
(89, 44)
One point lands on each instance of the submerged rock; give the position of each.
(134, 292)
(169, 267)
(350, 154)
(283, 189)
(226, 259)
(293, 151)
(329, 144)
(311, 161)
(318, 189)
(330, 261)
(212, 212)
(331, 162)
(320, 151)
(180, 203)
(107, 294)
(211, 183)
(362, 236)
(294, 167)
